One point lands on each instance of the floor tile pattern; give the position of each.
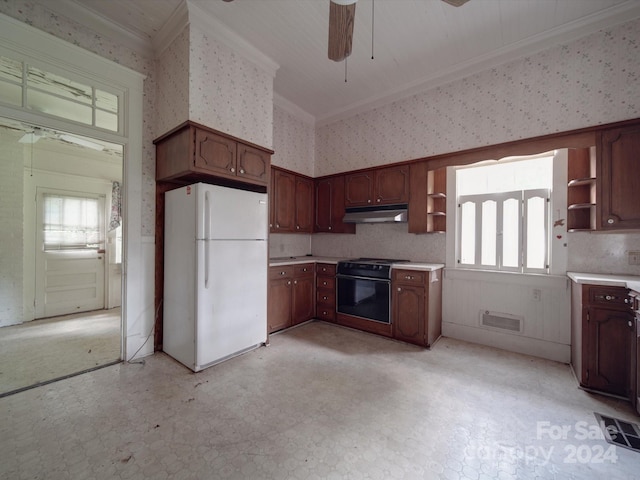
(42, 350)
(321, 402)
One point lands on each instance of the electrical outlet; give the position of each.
(634, 258)
(537, 294)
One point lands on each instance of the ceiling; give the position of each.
(417, 44)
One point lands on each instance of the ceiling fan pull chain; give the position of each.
(373, 11)
(345, 69)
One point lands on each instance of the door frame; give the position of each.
(28, 44)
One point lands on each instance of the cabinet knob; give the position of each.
(325, 298)
(232, 170)
(329, 228)
(241, 170)
(610, 221)
(324, 284)
(289, 282)
(295, 282)
(283, 273)
(297, 227)
(399, 289)
(325, 313)
(369, 201)
(630, 323)
(378, 200)
(277, 225)
(408, 277)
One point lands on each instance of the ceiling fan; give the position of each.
(341, 17)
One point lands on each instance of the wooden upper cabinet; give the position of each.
(384, 186)
(329, 206)
(618, 178)
(291, 202)
(253, 164)
(358, 189)
(283, 198)
(391, 185)
(215, 153)
(194, 153)
(304, 205)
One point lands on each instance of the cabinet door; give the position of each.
(253, 165)
(392, 185)
(215, 154)
(303, 306)
(324, 195)
(409, 313)
(618, 186)
(358, 189)
(284, 187)
(609, 346)
(279, 305)
(329, 206)
(304, 205)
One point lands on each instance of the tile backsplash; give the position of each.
(382, 241)
(283, 244)
(603, 252)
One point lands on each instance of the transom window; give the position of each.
(503, 215)
(23, 85)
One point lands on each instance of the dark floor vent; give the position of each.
(620, 432)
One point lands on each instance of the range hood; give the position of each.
(376, 214)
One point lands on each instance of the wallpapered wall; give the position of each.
(229, 93)
(590, 81)
(293, 142)
(172, 70)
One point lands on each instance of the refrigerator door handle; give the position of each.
(207, 236)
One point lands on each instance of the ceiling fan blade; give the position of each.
(340, 30)
(456, 3)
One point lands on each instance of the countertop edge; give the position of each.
(429, 267)
(608, 280)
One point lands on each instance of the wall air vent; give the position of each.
(501, 321)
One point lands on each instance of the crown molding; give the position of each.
(173, 27)
(213, 28)
(95, 22)
(293, 109)
(566, 33)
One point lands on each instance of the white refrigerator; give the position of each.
(215, 273)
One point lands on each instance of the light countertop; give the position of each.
(628, 281)
(277, 261)
(297, 260)
(429, 267)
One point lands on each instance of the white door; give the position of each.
(70, 258)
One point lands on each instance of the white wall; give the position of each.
(11, 234)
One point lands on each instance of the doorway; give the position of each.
(65, 269)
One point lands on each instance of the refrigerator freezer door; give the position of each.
(231, 214)
(231, 300)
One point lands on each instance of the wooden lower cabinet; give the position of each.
(416, 306)
(603, 340)
(303, 294)
(326, 292)
(291, 296)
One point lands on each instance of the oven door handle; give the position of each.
(356, 277)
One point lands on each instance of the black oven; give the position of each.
(364, 289)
